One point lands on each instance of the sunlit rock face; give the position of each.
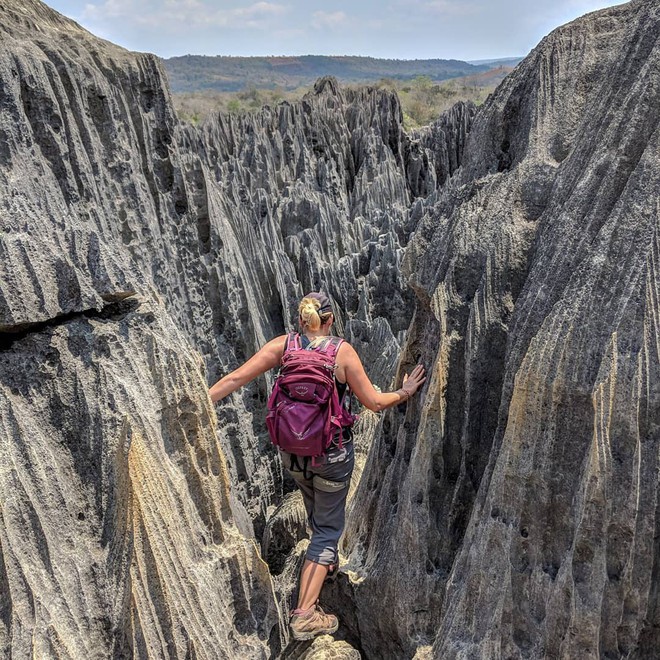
(117, 531)
(142, 259)
(512, 510)
(509, 511)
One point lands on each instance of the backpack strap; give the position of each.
(331, 346)
(293, 342)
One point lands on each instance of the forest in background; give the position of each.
(423, 99)
(198, 73)
(202, 84)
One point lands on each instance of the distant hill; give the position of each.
(507, 61)
(193, 73)
(490, 78)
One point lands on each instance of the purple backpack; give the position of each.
(304, 411)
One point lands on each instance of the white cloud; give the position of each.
(449, 7)
(191, 13)
(108, 9)
(466, 29)
(260, 9)
(324, 19)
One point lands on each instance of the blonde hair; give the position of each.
(309, 314)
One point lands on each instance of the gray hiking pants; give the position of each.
(324, 489)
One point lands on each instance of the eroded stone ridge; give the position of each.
(117, 536)
(513, 513)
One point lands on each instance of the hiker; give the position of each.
(323, 480)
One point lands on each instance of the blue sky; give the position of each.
(400, 29)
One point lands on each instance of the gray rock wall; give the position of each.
(510, 511)
(117, 534)
(513, 511)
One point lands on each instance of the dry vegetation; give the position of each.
(194, 107)
(422, 99)
(192, 73)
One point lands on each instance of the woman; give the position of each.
(325, 484)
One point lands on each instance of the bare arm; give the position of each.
(266, 358)
(366, 393)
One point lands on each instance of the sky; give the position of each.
(397, 29)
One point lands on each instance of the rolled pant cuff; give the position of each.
(326, 558)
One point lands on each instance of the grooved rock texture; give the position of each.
(136, 253)
(510, 511)
(116, 531)
(513, 512)
(229, 225)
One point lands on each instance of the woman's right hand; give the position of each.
(413, 382)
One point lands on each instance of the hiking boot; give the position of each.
(307, 624)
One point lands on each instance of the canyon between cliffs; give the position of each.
(509, 511)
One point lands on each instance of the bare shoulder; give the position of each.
(269, 355)
(279, 340)
(345, 346)
(277, 344)
(346, 352)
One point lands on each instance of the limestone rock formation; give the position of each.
(509, 511)
(116, 531)
(136, 255)
(512, 512)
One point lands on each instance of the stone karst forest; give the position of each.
(510, 510)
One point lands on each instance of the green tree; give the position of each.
(234, 106)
